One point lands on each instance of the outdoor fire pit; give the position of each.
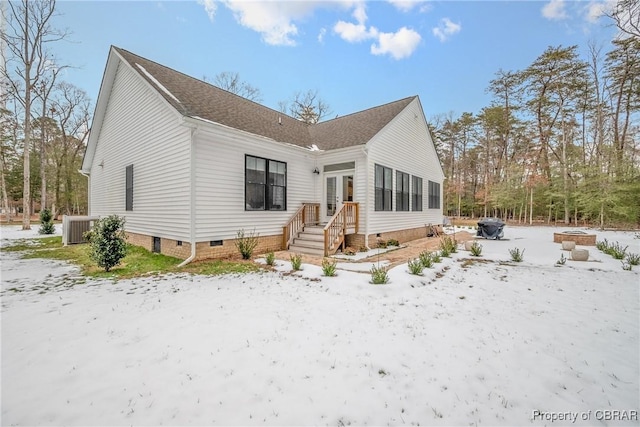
(577, 236)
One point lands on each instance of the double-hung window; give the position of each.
(402, 191)
(416, 194)
(265, 184)
(383, 188)
(434, 195)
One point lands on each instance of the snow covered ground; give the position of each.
(485, 343)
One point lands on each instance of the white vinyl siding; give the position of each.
(404, 145)
(140, 128)
(220, 183)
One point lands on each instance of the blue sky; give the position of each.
(356, 54)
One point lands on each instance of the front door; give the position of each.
(338, 189)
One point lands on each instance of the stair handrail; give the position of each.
(308, 213)
(336, 229)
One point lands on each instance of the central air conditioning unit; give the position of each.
(74, 227)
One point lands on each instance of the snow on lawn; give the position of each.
(488, 343)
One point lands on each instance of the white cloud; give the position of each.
(210, 7)
(555, 10)
(321, 35)
(596, 9)
(446, 29)
(358, 32)
(400, 44)
(354, 33)
(408, 5)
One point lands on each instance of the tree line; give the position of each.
(559, 143)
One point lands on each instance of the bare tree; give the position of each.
(43, 91)
(230, 81)
(71, 109)
(307, 107)
(626, 14)
(28, 31)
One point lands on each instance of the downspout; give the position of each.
(88, 176)
(366, 189)
(192, 198)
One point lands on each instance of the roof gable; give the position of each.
(197, 99)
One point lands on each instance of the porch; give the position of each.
(305, 233)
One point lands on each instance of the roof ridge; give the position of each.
(369, 109)
(242, 98)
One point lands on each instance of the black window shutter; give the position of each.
(129, 189)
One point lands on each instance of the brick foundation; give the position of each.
(204, 250)
(357, 241)
(168, 247)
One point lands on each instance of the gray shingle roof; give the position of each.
(194, 98)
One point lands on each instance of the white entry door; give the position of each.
(338, 189)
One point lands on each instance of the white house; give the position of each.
(189, 165)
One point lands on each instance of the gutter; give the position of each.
(192, 199)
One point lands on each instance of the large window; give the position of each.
(383, 188)
(416, 195)
(128, 204)
(402, 191)
(265, 184)
(434, 195)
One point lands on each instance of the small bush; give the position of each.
(633, 259)
(382, 244)
(363, 249)
(448, 245)
(349, 251)
(246, 243)
(107, 241)
(415, 266)
(603, 245)
(46, 222)
(476, 249)
(328, 267)
(393, 242)
(426, 258)
(617, 251)
(516, 254)
(445, 252)
(436, 257)
(562, 260)
(379, 275)
(270, 258)
(296, 261)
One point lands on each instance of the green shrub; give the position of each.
(296, 261)
(46, 222)
(246, 243)
(633, 259)
(436, 257)
(107, 241)
(448, 245)
(426, 258)
(476, 249)
(603, 245)
(329, 267)
(415, 266)
(393, 242)
(379, 275)
(270, 258)
(617, 251)
(516, 254)
(382, 244)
